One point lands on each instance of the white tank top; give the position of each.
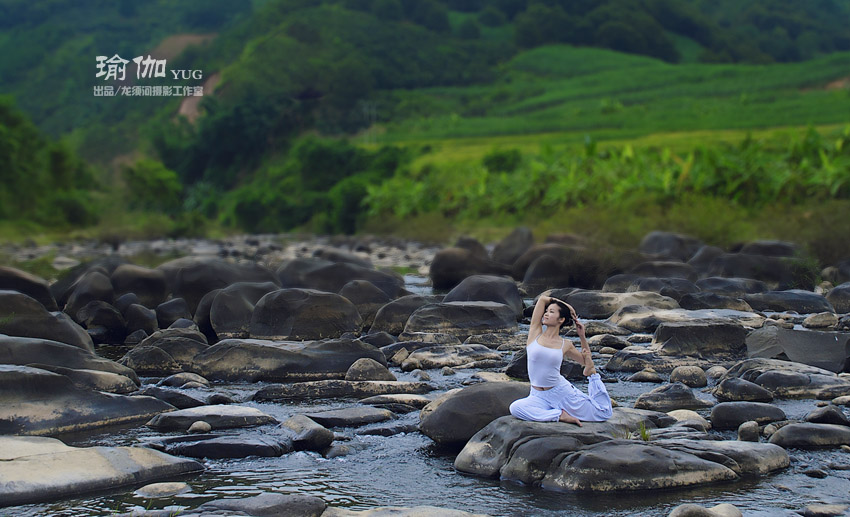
(544, 365)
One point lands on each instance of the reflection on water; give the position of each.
(408, 470)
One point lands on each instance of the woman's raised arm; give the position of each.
(536, 327)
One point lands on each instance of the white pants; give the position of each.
(546, 406)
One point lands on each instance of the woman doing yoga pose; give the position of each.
(552, 397)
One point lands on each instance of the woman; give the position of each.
(552, 397)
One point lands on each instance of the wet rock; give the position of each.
(709, 300)
(280, 505)
(669, 397)
(175, 398)
(219, 417)
(38, 402)
(366, 297)
(700, 338)
(497, 341)
(103, 322)
(24, 351)
(797, 300)
(231, 308)
(735, 389)
(730, 415)
(332, 279)
(647, 319)
(307, 434)
(232, 447)
(809, 436)
(822, 320)
(440, 356)
(524, 451)
(607, 340)
(473, 245)
(408, 339)
(674, 288)
(459, 416)
(157, 490)
(451, 265)
(149, 285)
(378, 339)
(748, 431)
(97, 380)
(12, 279)
(487, 288)
(733, 287)
(366, 369)
(419, 374)
(338, 389)
(139, 317)
(180, 379)
(646, 376)
(839, 298)
(191, 278)
(509, 249)
(827, 415)
(302, 314)
(690, 376)
(789, 379)
(447, 371)
(670, 245)
(171, 311)
(92, 286)
(38, 470)
(776, 272)
(338, 255)
(150, 361)
(255, 360)
(600, 305)
(389, 430)
(463, 319)
(416, 401)
(181, 344)
(693, 510)
(350, 417)
(25, 317)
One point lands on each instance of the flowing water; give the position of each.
(409, 470)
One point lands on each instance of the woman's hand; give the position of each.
(579, 328)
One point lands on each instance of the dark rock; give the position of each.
(619, 283)
(710, 300)
(308, 434)
(487, 288)
(232, 447)
(123, 302)
(341, 256)
(366, 369)
(811, 436)
(509, 249)
(827, 415)
(103, 322)
(392, 317)
(98, 380)
(702, 259)
(350, 417)
(202, 316)
(26, 317)
(338, 389)
(451, 265)
(150, 361)
(599, 305)
(464, 413)
(366, 297)
(674, 288)
(729, 415)
(827, 350)
(660, 269)
(291, 273)
(148, 284)
(441, 356)
(219, 417)
(475, 247)
(270, 504)
(23, 351)
(171, 311)
(670, 245)
(462, 319)
(256, 360)
(139, 317)
(771, 248)
(302, 314)
(776, 272)
(231, 309)
(797, 300)
(700, 338)
(839, 298)
(12, 279)
(734, 389)
(690, 376)
(670, 397)
(332, 279)
(173, 397)
(378, 339)
(92, 286)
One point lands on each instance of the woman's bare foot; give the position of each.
(569, 419)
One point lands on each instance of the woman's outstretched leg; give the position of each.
(598, 395)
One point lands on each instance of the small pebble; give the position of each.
(200, 427)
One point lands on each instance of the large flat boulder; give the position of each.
(38, 402)
(797, 300)
(463, 319)
(254, 360)
(700, 338)
(37, 469)
(441, 356)
(13, 279)
(639, 318)
(601, 305)
(219, 417)
(789, 379)
(827, 350)
(301, 314)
